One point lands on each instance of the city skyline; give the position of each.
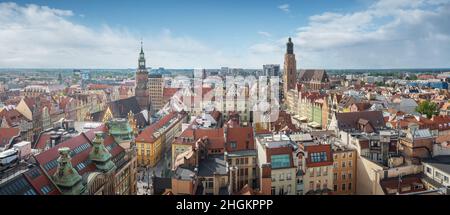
(359, 34)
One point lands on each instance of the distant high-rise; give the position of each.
(156, 87)
(290, 68)
(271, 70)
(141, 91)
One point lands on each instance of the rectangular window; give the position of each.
(429, 170)
(318, 157)
(343, 164)
(280, 161)
(343, 187)
(349, 186)
(335, 176)
(350, 176)
(343, 176)
(233, 145)
(335, 188)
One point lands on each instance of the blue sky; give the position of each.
(211, 34)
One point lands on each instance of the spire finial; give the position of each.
(142, 46)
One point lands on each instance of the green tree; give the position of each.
(428, 108)
(412, 77)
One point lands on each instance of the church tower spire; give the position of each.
(142, 58)
(141, 90)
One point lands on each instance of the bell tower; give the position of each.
(290, 68)
(141, 91)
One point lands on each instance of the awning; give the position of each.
(303, 118)
(314, 125)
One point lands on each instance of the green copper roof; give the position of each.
(100, 155)
(66, 177)
(120, 129)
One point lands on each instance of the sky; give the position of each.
(181, 34)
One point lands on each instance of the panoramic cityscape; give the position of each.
(284, 98)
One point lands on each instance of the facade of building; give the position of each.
(241, 155)
(318, 169)
(157, 138)
(344, 170)
(437, 172)
(275, 159)
(156, 86)
(314, 79)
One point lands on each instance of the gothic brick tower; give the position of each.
(290, 68)
(142, 91)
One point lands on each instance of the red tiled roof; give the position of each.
(42, 142)
(98, 86)
(406, 181)
(6, 134)
(263, 132)
(241, 136)
(41, 181)
(52, 154)
(246, 190)
(146, 136)
(12, 117)
(169, 92)
(317, 149)
(215, 137)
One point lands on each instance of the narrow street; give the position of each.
(144, 174)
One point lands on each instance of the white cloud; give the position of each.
(264, 48)
(388, 34)
(264, 33)
(39, 36)
(284, 7)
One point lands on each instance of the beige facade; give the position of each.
(283, 181)
(156, 87)
(318, 178)
(246, 173)
(344, 172)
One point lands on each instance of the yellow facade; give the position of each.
(149, 154)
